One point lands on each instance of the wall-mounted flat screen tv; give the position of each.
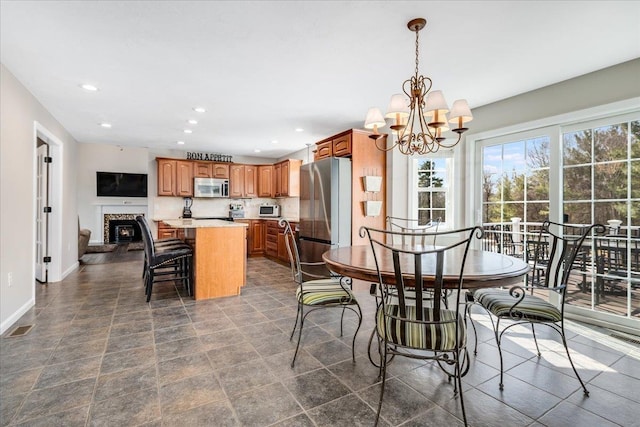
(117, 184)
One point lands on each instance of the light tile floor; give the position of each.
(98, 355)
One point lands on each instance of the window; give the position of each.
(601, 174)
(515, 181)
(432, 195)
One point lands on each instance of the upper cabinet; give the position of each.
(220, 170)
(287, 178)
(336, 146)
(175, 177)
(210, 170)
(243, 181)
(265, 181)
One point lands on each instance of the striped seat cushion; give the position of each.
(322, 292)
(408, 333)
(499, 302)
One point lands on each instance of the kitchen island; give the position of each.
(219, 255)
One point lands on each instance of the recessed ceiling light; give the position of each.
(192, 122)
(105, 125)
(299, 130)
(188, 131)
(199, 109)
(275, 141)
(257, 150)
(88, 87)
(180, 142)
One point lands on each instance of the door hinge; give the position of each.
(46, 259)
(46, 209)
(48, 159)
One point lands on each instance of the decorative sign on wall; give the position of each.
(212, 157)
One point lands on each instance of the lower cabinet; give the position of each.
(275, 244)
(255, 236)
(165, 232)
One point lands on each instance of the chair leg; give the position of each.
(150, 278)
(295, 355)
(344, 307)
(467, 314)
(353, 344)
(295, 325)
(575, 371)
(498, 340)
(535, 340)
(384, 378)
(459, 383)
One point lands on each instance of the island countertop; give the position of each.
(202, 223)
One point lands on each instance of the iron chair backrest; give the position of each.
(412, 226)
(565, 246)
(408, 287)
(298, 271)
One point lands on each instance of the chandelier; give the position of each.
(420, 120)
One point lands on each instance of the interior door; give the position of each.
(42, 202)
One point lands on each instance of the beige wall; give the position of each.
(19, 110)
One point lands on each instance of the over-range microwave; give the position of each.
(272, 211)
(210, 187)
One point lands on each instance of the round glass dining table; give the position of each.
(483, 269)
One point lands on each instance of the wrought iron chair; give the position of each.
(517, 307)
(405, 325)
(418, 235)
(316, 292)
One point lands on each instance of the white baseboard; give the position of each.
(70, 270)
(4, 326)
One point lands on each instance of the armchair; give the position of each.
(84, 235)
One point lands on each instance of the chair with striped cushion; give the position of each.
(530, 304)
(408, 324)
(317, 292)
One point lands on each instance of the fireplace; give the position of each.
(121, 228)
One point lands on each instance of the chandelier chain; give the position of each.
(417, 52)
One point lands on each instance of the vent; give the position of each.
(21, 331)
(626, 339)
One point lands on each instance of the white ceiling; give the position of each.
(264, 68)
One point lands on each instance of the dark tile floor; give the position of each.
(99, 355)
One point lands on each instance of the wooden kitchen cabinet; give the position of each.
(202, 170)
(184, 178)
(243, 181)
(336, 146)
(256, 243)
(175, 177)
(166, 177)
(287, 178)
(236, 181)
(250, 181)
(265, 181)
(220, 170)
(275, 242)
(165, 231)
(323, 150)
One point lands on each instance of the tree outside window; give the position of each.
(433, 189)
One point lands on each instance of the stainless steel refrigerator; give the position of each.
(325, 207)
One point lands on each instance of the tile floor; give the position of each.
(98, 355)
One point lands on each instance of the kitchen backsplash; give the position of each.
(171, 207)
